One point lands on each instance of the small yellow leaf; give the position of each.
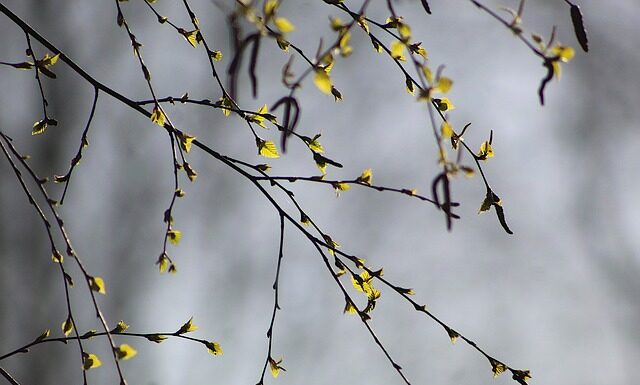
(185, 141)
(191, 36)
(428, 74)
(216, 55)
(67, 327)
(283, 44)
(404, 31)
(341, 186)
(45, 334)
(163, 262)
(343, 44)
(486, 151)
(56, 257)
(497, 367)
(444, 84)
(39, 127)
(349, 308)
(157, 338)
(313, 143)
(453, 335)
(409, 85)
(214, 348)
(521, 375)
(323, 81)
(120, 327)
(225, 102)
(365, 177)
(283, 25)
(158, 116)
(267, 148)
(191, 173)
(258, 116)
(446, 130)
(336, 23)
(397, 50)
(49, 60)
(90, 361)
(276, 367)
(418, 49)
(270, 8)
(174, 236)
(97, 284)
(362, 21)
(557, 69)
(332, 245)
(564, 53)
(444, 104)
(187, 327)
(125, 352)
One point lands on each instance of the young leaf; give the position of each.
(97, 285)
(214, 348)
(67, 326)
(90, 361)
(190, 36)
(443, 84)
(284, 25)
(486, 151)
(120, 327)
(163, 262)
(397, 50)
(313, 143)
(521, 376)
(187, 327)
(225, 102)
(185, 141)
(191, 173)
(56, 257)
(258, 117)
(323, 81)
(349, 308)
(276, 367)
(157, 116)
(446, 130)
(497, 367)
(43, 336)
(365, 177)
(453, 335)
(216, 55)
(333, 245)
(174, 236)
(39, 127)
(267, 148)
(125, 352)
(341, 186)
(157, 338)
(443, 104)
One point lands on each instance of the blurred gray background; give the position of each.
(560, 297)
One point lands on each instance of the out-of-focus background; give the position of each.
(560, 297)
